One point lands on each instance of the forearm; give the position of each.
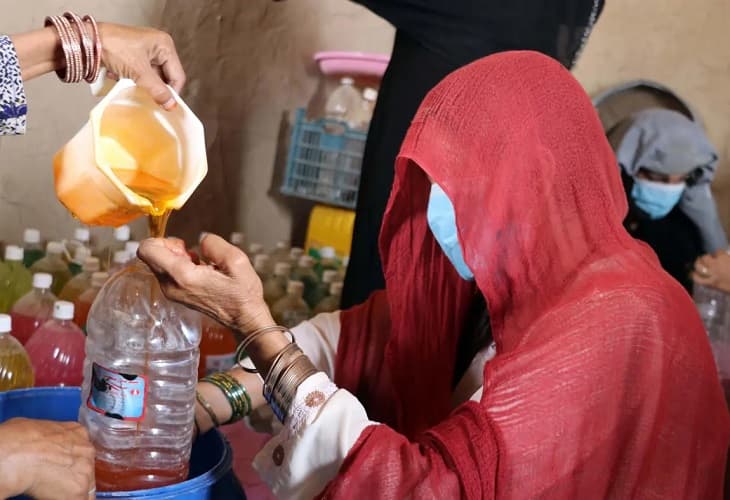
(39, 52)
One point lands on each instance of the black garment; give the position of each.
(434, 38)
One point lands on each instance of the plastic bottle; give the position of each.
(54, 264)
(131, 248)
(237, 239)
(121, 237)
(56, 349)
(81, 239)
(15, 279)
(80, 254)
(331, 302)
(294, 255)
(81, 281)
(119, 262)
(255, 249)
(304, 272)
(290, 310)
(32, 249)
(364, 112)
(83, 302)
(280, 253)
(140, 374)
(275, 285)
(712, 305)
(343, 101)
(217, 348)
(343, 267)
(33, 308)
(323, 290)
(327, 261)
(261, 264)
(16, 371)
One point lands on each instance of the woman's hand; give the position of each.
(227, 289)
(713, 270)
(46, 460)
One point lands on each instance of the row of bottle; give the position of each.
(347, 104)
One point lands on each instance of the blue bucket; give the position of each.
(210, 477)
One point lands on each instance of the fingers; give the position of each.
(225, 256)
(171, 66)
(166, 257)
(156, 88)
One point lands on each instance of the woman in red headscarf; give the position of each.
(603, 384)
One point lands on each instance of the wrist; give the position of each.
(249, 322)
(12, 483)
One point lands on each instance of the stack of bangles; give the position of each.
(289, 369)
(81, 47)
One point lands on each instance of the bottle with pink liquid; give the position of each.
(34, 308)
(56, 349)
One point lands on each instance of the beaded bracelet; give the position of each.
(235, 394)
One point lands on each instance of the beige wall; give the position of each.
(249, 63)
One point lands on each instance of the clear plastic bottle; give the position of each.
(217, 348)
(323, 290)
(327, 261)
(280, 253)
(83, 303)
(56, 349)
(304, 272)
(275, 285)
(294, 255)
(262, 266)
(55, 265)
(81, 281)
(33, 308)
(81, 239)
(131, 248)
(32, 249)
(343, 101)
(120, 261)
(290, 310)
(15, 279)
(237, 239)
(16, 371)
(139, 383)
(331, 302)
(122, 235)
(76, 265)
(255, 249)
(364, 112)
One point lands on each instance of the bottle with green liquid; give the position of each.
(15, 279)
(32, 249)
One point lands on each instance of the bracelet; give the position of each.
(93, 75)
(208, 409)
(85, 42)
(285, 391)
(277, 366)
(82, 52)
(235, 393)
(241, 349)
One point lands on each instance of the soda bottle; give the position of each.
(280, 253)
(237, 239)
(81, 239)
(16, 371)
(131, 248)
(120, 260)
(121, 237)
(83, 302)
(327, 261)
(81, 281)
(291, 309)
(261, 264)
(55, 265)
(294, 255)
(56, 349)
(140, 373)
(15, 279)
(304, 272)
(331, 303)
(32, 249)
(217, 348)
(80, 254)
(275, 285)
(33, 308)
(328, 277)
(343, 102)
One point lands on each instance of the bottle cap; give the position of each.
(82, 234)
(346, 80)
(31, 236)
(81, 254)
(370, 94)
(260, 261)
(237, 238)
(281, 245)
(13, 253)
(296, 252)
(282, 269)
(327, 253)
(6, 323)
(336, 288)
(306, 261)
(42, 280)
(202, 236)
(131, 248)
(91, 265)
(98, 279)
(295, 288)
(121, 257)
(55, 247)
(63, 310)
(122, 233)
(329, 276)
(255, 248)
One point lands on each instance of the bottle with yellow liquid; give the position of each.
(16, 371)
(15, 279)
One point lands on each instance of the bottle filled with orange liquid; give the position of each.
(16, 371)
(82, 304)
(217, 348)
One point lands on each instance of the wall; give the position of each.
(249, 64)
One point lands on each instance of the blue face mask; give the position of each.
(657, 199)
(442, 221)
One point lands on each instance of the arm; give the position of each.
(39, 52)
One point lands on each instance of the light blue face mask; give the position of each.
(442, 221)
(657, 199)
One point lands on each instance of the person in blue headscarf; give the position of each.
(667, 165)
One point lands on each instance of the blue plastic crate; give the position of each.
(324, 162)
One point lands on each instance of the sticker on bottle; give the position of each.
(117, 395)
(215, 363)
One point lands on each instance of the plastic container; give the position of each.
(32, 249)
(119, 261)
(210, 476)
(130, 152)
(280, 253)
(76, 265)
(331, 302)
(55, 265)
(15, 279)
(291, 309)
(328, 277)
(34, 308)
(261, 264)
(329, 226)
(327, 261)
(217, 348)
(122, 234)
(237, 239)
(81, 239)
(343, 102)
(81, 281)
(131, 248)
(304, 272)
(139, 382)
(364, 111)
(83, 303)
(275, 285)
(255, 249)
(16, 371)
(294, 255)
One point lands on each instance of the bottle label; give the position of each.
(117, 395)
(215, 363)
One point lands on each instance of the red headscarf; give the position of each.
(603, 386)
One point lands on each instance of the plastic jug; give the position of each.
(132, 158)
